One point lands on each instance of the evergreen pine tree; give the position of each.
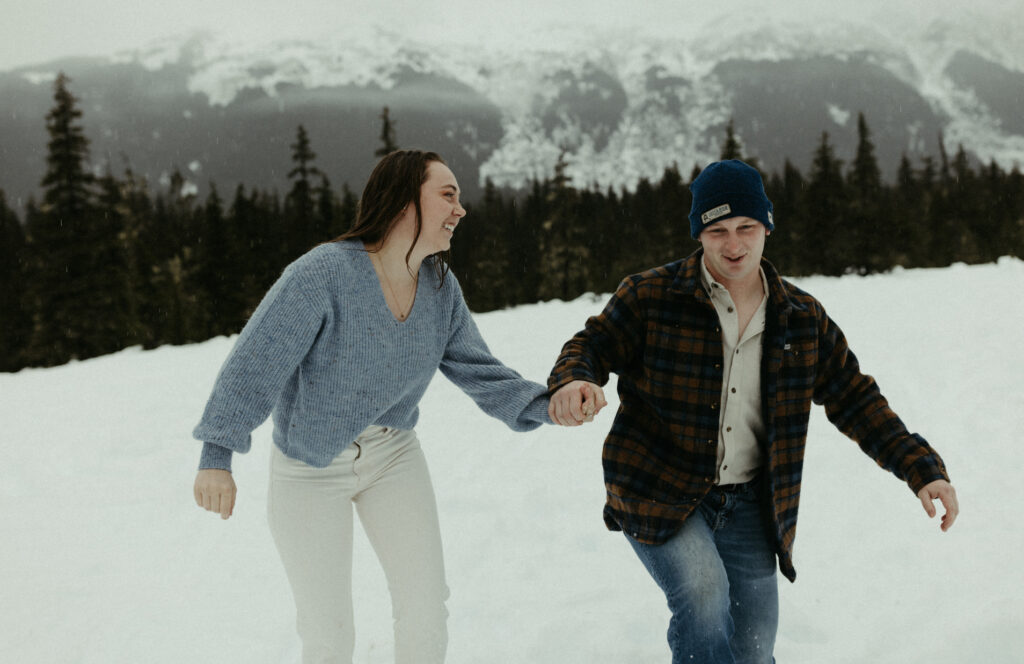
(147, 245)
(346, 216)
(387, 134)
(326, 211)
(525, 253)
(909, 209)
(945, 173)
(300, 203)
(257, 238)
(269, 207)
(731, 149)
(604, 240)
(176, 219)
(871, 229)
(1014, 204)
(115, 277)
(68, 186)
(564, 245)
(789, 240)
(672, 224)
(481, 250)
(825, 199)
(644, 238)
(69, 312)
(931, 213)
(993, 219)
(219, 269)
(603, 215)
(955, 240)
(865, 176)
(17, 321)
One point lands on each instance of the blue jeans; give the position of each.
(718, 573)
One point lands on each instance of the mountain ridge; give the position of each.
(620, 107)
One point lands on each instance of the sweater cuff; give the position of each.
(215, 456)
(538, 409)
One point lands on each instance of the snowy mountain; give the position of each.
(622, 105)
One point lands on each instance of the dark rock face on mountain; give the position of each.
(782, 108)
(999, 89)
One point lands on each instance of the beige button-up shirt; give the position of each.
(741, 424)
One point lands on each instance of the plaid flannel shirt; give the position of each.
(660, 333)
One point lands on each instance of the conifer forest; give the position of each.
(96, 264)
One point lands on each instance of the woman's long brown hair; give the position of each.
(393, 185)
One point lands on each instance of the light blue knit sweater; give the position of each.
(325, 354)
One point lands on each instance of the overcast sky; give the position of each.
(36, 31)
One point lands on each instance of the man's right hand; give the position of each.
(575, 403)
(215, 491)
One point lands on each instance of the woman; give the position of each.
(341, 349)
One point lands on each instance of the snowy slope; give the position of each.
(106, 559)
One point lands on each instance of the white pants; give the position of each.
(310, 512)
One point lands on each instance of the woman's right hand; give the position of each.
(215, 491)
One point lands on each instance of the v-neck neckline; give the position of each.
(383, 295)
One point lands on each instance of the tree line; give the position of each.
(102, 263)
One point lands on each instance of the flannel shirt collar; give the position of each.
(688, 283)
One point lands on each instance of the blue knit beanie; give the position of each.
(727, 189)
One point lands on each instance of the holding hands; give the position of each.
(575, 403)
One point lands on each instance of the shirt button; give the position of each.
(730, 309)
(728, 428)
(714, 406)
(734, 390)
(711, 442)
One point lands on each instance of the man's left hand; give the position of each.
(944, 491)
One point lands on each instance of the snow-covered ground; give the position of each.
(105, 558)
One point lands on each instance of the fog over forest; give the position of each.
(33, 33)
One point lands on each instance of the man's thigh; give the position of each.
(689, 570)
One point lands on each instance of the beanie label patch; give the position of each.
(715, 213)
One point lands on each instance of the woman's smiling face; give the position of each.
(440, 207)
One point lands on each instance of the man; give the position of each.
(719, 360)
